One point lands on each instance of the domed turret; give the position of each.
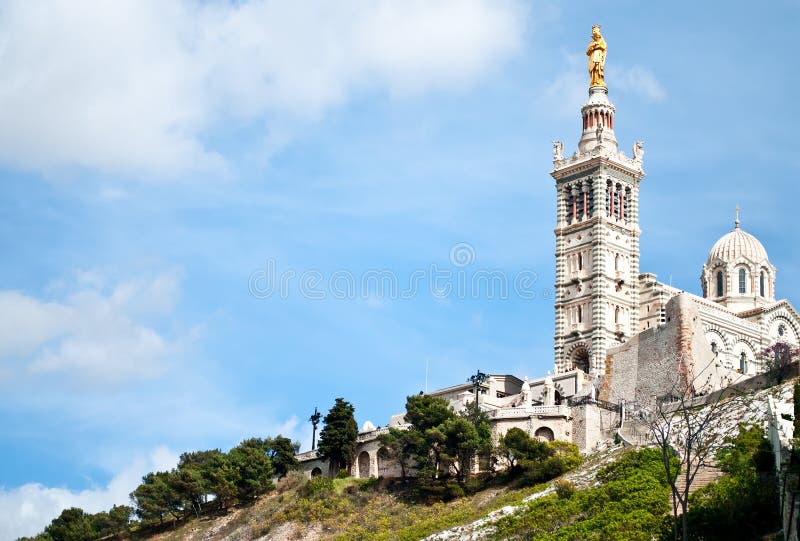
(738, 273)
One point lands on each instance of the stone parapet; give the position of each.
(551, 411)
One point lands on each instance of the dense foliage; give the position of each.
(75, 525)
(743, 504)
(534, 461)
(337, 441)
(630, 504)
(444, 444)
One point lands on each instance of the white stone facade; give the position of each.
(597, 243)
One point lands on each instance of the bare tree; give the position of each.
(684, 423)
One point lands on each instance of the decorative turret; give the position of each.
(598, 122)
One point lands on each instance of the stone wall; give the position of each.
(591, 425)
(662, 360)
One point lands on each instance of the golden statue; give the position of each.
(597, 57)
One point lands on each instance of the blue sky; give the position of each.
(158, 158)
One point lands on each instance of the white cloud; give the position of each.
(136, 85)
(640, 81)
(27, 509)
(95, 333)
(567, 92)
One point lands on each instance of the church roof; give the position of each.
(736, 244)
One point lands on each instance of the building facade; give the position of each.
(597, 241)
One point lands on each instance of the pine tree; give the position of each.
(337, 441)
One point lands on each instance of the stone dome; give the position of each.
(738, 273)
(738, 244)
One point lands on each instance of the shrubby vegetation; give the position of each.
(630, 504)
(743, 504)
(535, 461)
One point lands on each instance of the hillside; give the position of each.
(549, 493)
(365, 509)
(350, 509)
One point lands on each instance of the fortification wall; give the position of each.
(657, 361)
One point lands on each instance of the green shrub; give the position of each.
(293, 480)
(316, 487)
(564, 489)
(474, 484)
(562, 458)
(630, 505)
(742, 504)
(429, 491)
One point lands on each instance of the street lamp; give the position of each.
(477, 380)
(315, 417)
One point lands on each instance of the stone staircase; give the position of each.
(706, 475)
(634, 433)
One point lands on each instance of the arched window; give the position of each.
(743, 362)
(580, 359)
(544, 434)
(616, 262)
(742, 281)
(580, 261)
(616, 314)
(580, 314)
(761, 284)
(720, 284)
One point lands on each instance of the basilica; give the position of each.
(618, 329)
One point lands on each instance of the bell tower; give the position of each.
(597, 233)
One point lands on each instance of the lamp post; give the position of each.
(315, 417)
(477, 380)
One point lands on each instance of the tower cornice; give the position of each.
(579, 164)
(627, 229)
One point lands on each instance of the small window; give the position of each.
(580, 261)
(781, 330)
(761, 284)
(720, 284)
(616, 262)
(742, 281)
(616, 314)
(743, 362)
(580, 314)
(713, 347)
